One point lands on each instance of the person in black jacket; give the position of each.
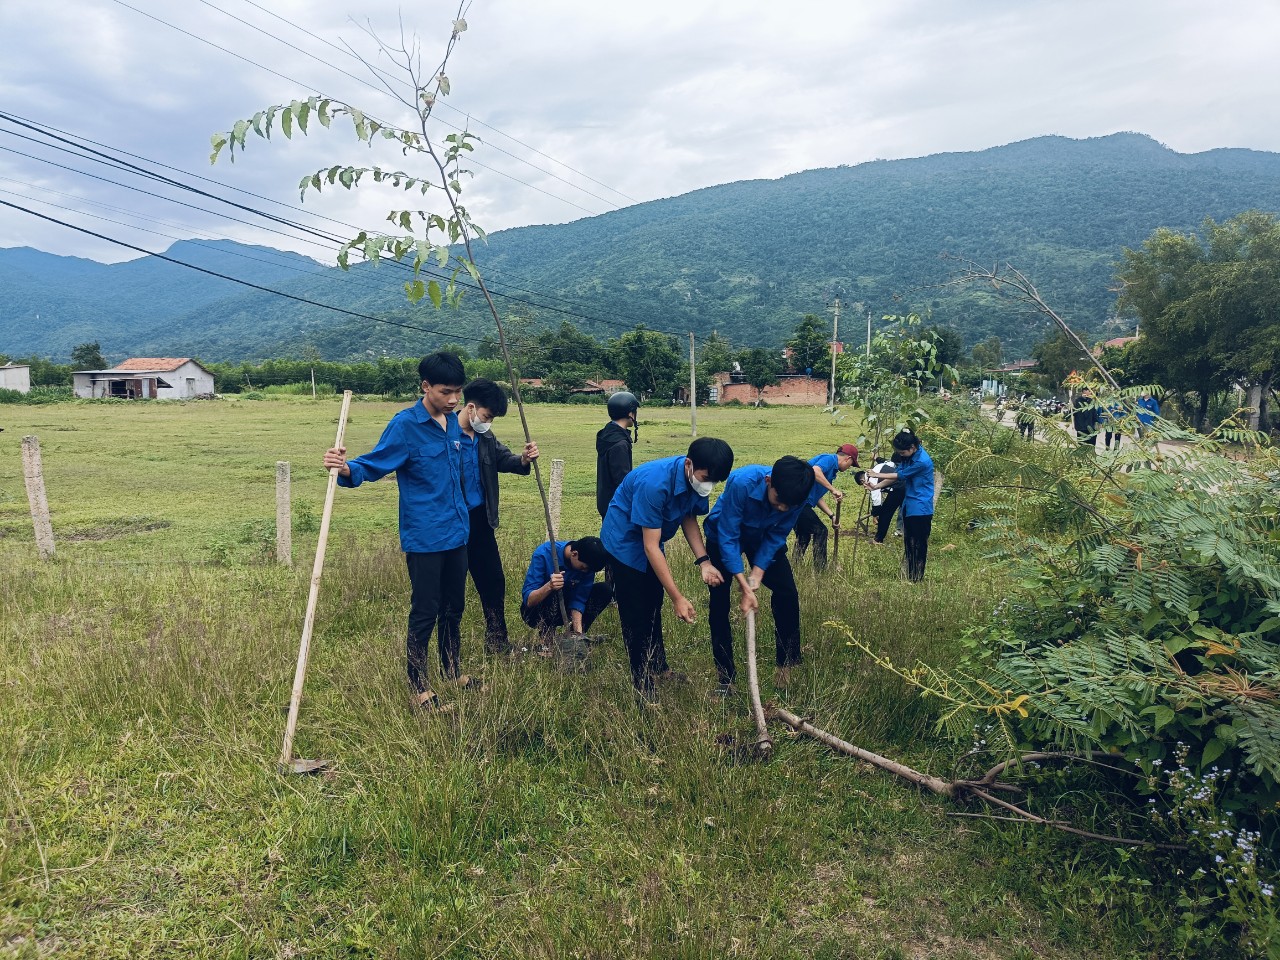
(613, 448)
(483, 456)
(1086, 418)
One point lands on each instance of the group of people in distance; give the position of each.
(447, 461)
(1088, 418)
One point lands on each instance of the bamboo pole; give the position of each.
(288, 764)
(764, 742)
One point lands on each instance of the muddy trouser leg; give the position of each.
(484, 563)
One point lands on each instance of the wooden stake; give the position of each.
(284, 516)
(835, 546)
(33, 473)
(288, 764)
(556, 493)
(764, 742)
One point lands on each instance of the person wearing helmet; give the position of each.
(809, 529)
(613, 448)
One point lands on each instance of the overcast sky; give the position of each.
(585, 106)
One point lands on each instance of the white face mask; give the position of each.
(480, 427)
(702, 488)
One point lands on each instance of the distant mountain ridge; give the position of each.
(746, 258)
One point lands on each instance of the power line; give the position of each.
(245, 283)
(298, 83)
(447, 106)
(390, 80)
(124, 166)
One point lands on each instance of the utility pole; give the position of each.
(693, 392)
(868, 333)
(835, 338)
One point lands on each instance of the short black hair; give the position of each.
(713, 455)
(442, 369)
(792, 480)
(905, 440)
(485, 393)
(591, 551)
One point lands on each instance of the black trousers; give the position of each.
(784, 600)
(640, 597)
(1108, 436)
(438, 591)
(915, 543)
(811, 529)
(546, 615)
(484, 562)
(889, 505)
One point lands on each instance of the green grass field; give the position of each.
(144, 675)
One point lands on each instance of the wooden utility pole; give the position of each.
(693, 392)
(835, 337)
(284, 515)
(868, 333)
(33, 473)
(313, 383)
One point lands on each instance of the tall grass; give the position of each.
(143, 705)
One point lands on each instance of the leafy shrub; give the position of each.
(38, 395)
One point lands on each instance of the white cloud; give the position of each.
(649, 99)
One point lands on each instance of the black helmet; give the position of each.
(623, 404)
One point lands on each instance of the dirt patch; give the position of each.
(116, 528)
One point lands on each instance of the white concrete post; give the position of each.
(284, 515)
(557, 490)
(33, 472)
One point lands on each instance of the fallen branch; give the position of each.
(956, 789)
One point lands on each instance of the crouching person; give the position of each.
(755, 514)
(580, 560)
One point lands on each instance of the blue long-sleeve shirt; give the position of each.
(743, 521)
(917, 474)
(1148, 410)
(829, 464)
(427, 460)
(656, 496)
(577, 583)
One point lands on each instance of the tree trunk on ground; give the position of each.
(1264, 402)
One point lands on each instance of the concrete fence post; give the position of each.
(284, 515)
(33, 473)
(557, 491)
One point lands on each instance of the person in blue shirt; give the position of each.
(1148, 410)
(580, 560)
(483, 457)
(753, 516)
(423, 445)
(915, 468)
(653, 501)
(1111, 415)
(809, 529)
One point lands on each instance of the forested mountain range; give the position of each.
(747, 259)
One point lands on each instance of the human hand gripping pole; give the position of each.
(289, 763)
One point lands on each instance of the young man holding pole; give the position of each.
(808, 527)
(483, 458)
(754, 515)
(423, 445)
(580, 561)
(654, 501)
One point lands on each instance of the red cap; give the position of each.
(849, 450)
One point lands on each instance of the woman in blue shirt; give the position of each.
(915, 469)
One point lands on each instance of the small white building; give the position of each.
(146, 378)
(15, 377)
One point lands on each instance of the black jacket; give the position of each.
(613, 462)
(494, 457)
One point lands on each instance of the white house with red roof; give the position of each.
(146, 378)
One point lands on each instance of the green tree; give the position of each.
(649, 362)
(716, 355)
(950, 343)
(760, 367)
(810, 347)
(88, 356)
(1056, 356)
(989, 353)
